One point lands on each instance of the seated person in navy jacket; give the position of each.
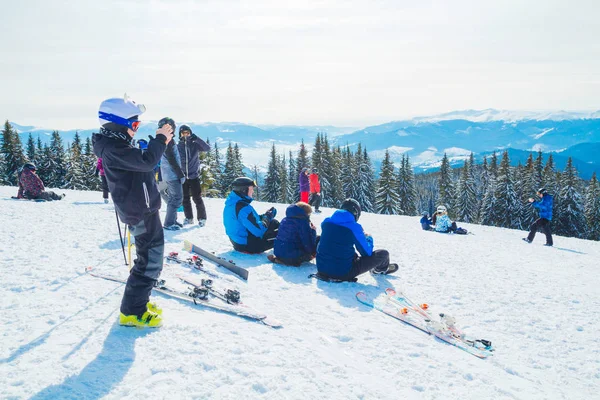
(341, 234)
(297, 239)
(248, 231)
(426, 222)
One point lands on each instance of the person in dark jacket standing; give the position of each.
(172, 180)
(297, 239)
(190, 147)
(315, 191)
(304, 185)
(130, 177)
(340, 235)
(248, 231)
(544, 206)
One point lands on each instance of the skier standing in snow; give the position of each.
(315, 191)
(544, 206)
(190, 147)
(172, 180)
(100, 171)
(248, 231)
(340, 235)
(32, 187)
(130, 177)
(304, 185)
(297, 238)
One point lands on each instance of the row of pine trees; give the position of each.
(492, 193)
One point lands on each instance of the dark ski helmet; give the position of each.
(167, 120)
(29, 166)
(241, 184)
(184, 128)
(542, 191)
(353, 207)
(314, 170)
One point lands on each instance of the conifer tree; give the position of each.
(293, 193)
(282, 166)
(570, 217)
(537, 172)
(89, 166)
(592, 209)
(216, 167)
(31, 155)
(272, 187)
(75, 177)
(57, 166)
(386, 199)
(336, 197)
(230, 171)
(349, 178)
(365, 182)
(302, 161)
(239, 162)
(446, 187)
(466, 198)
(208, 182)
(325, 174)
(13, 157)
(44, 166)
(507, 201)
(257, 191)
(406, 189)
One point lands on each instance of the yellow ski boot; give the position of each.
(152, 306)
(149, 319)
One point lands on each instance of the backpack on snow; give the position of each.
(461, 231)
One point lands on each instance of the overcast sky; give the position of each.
(346, 62)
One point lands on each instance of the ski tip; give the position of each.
(390, 292)
(88, 268)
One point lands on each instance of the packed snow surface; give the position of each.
(60, 339)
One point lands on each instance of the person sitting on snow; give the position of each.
(341, 234)
(297, 239)
(248, 231)
(426, 222)
(31, 186)
(443, 224)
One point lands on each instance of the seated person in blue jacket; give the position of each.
(248, 231)
(297, 239)
(341, 234)
(443, 223)
(426, 222)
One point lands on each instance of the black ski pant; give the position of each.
(49, 196)
(315, 200)
(379, 259)
(104, 186)
(541, 224)
(257, 245)
(193, 190)
(147, 266)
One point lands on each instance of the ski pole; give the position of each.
(121, 237)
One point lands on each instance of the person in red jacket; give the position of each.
(32, 187)
(315, 190)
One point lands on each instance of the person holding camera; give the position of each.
(544, 207)
(249, 232)
(130, 177)
(171, 187)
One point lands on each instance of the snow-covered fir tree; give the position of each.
(570, 218)
(75, 174)
(386, 199)
(257, 191)
(12, 155)
(31, 149)
(406, 188)
(293, 193)
(89, 166)
(446, 186)
(349, 171)
(365, 185)
(216, 167)
(282, 166)
(238, 161)
(325, 174)
(57, 162)
(233, 167)
(507, 202)
(208, 182)
(466, 198)
(336, 197)
(592, 209)
(272, 187)
(489, 212)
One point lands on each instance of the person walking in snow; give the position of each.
(31, 186)
(248, 231)
(304, 185)
(297, 238)
(544, 207)
(341, 234)
(130, 177)
(100, 171)
(172, 177)
(426, 222)
(189, 148)
(315, 191)
(443, 224)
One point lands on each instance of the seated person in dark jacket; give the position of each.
(296, 240)
(31, 186)
(426, 222)
(248, 231)
(340, 235)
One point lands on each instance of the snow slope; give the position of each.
(59, 338)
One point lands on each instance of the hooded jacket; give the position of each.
(315, 186)
(170, 164)
(443, 223)
(544, 206)
(130, 174)
(240, 219)
(30, 185)
(303, 181)
(340, 235)
(295, 237)
(189, 151)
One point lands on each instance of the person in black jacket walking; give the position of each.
(130, 177)
(190, 147)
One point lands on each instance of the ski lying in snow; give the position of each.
(239, 271)
(198, 297)
(448, 322)
(229, 296)
(193, 262)
(24, 199)
(416, 320)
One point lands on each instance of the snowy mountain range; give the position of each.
(424, 139)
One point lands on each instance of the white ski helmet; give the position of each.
(441, 209)
(117, 109)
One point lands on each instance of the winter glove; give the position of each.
(271, 213)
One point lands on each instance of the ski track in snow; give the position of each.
(60, 337)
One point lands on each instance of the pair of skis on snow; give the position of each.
(400, 307)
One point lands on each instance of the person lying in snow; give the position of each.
(297, 239)
(31, 186)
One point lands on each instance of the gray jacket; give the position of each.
(170, 164)
(189, 151)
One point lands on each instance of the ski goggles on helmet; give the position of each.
(132, 124)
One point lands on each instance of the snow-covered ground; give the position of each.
(60, 338)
